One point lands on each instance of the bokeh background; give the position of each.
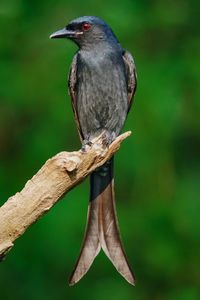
(157, 168)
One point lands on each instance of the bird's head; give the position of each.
(86, 32)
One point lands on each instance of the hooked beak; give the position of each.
(64, 33)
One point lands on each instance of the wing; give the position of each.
(131, 76)
(72, 80)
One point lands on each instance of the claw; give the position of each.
(85, 145)
(107, 138)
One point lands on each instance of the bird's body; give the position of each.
(102, 82)
(101, 93)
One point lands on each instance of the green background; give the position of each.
(157, 168)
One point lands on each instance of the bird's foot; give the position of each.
(85, 144)
(107, 138)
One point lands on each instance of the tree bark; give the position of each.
(56, 177)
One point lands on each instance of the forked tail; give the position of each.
(102, 229)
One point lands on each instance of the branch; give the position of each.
(56, 177)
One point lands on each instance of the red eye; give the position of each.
(86, 26)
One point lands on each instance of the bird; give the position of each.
(102, 82)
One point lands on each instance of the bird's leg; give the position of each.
(85, 144)
(107, 138)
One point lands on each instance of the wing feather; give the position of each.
(72, 83)
(131, 76)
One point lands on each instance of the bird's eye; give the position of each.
(86, 26)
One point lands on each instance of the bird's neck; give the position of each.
(99, 42)
(100, 49)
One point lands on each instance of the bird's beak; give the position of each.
(63, 33)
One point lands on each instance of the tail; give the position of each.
(102, 229)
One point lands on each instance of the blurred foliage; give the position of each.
(157, 169)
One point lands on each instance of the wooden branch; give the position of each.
(56, 177)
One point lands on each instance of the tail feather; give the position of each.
(111, 243)
(90, 247)
(102, 230)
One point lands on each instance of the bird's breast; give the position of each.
(101, 92)
(102, 76)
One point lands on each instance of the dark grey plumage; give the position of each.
(102, 82)
(101, 92)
